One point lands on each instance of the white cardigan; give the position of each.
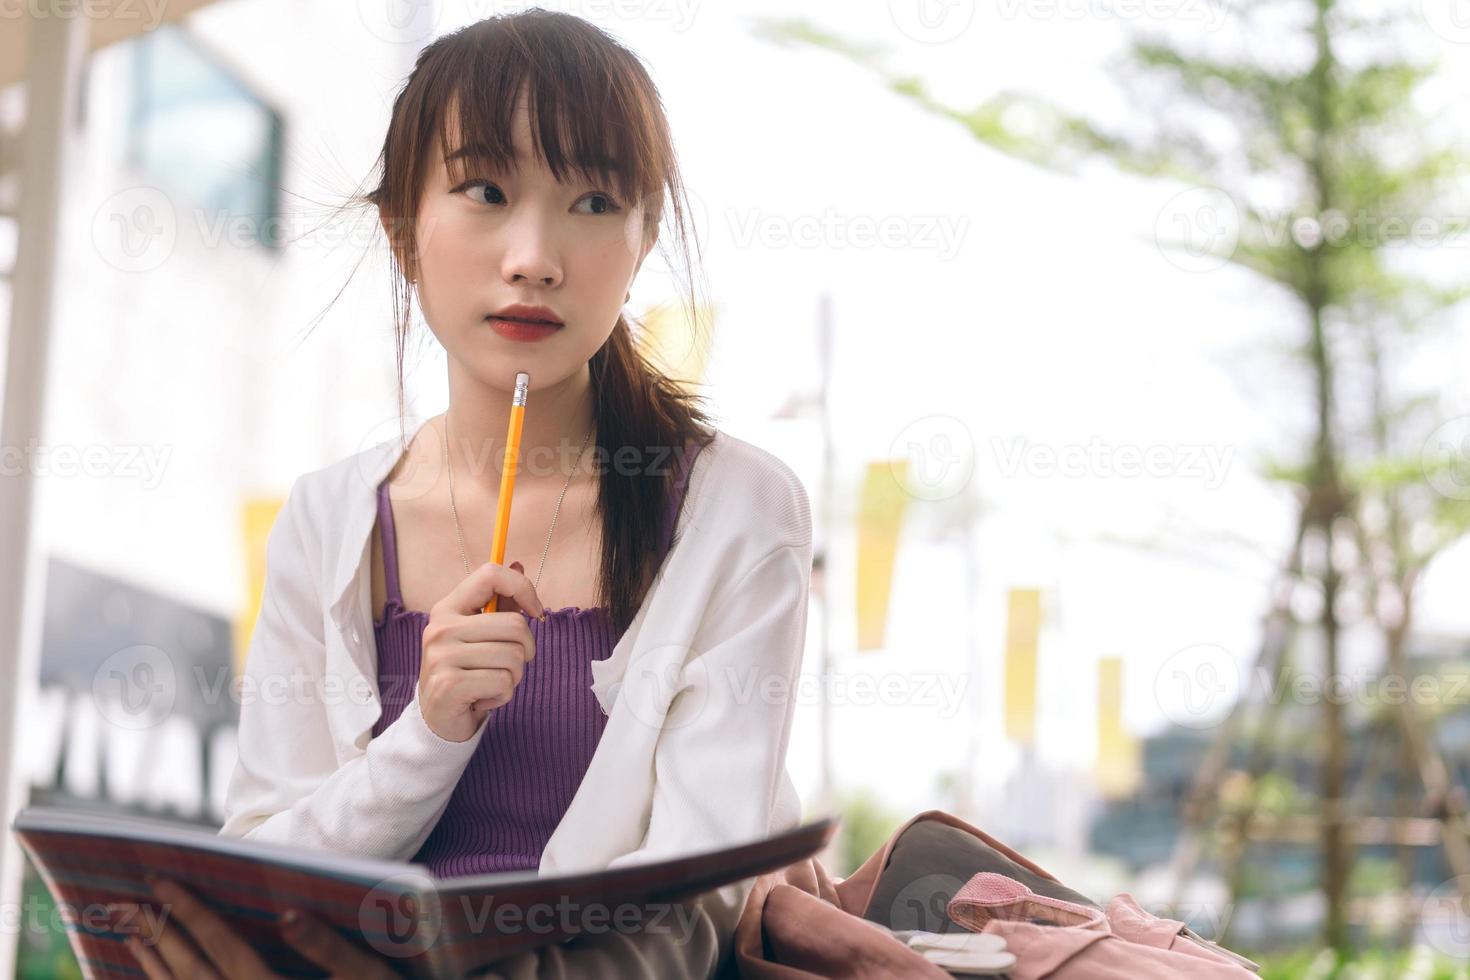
(699, 694)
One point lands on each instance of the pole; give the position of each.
(824, 518)
(969, 540)
(57, 48)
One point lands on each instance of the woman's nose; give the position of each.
(531, 255)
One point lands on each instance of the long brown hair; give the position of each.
(593, 110)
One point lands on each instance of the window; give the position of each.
(200, 130)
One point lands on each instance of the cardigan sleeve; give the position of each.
(720, 774)
(288, 785)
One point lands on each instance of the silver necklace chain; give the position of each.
(459, 535)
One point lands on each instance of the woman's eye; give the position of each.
(472, 186)
(598, 203)
(604, 204)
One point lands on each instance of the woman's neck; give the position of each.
(556, 421)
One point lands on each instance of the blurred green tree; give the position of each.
(1308, 161)
(867, 825)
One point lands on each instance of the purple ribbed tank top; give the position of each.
(535, 750)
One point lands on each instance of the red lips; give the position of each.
(528, 314)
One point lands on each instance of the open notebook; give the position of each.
(428, 926)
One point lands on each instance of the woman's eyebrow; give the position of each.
(483, 152)
(480, 150)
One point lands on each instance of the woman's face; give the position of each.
(489, 240)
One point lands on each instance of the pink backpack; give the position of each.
(1054, 938)
(799, 923)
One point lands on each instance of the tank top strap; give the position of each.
(683, 468)
(388, 539)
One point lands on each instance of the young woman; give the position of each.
(631, 699)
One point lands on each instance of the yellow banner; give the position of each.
(1117, 750)
(1023, 633)
(880, 517)
(256, 517)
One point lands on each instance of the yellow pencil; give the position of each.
(508, 477)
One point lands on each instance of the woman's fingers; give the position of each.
(175, 954)
(180, 955)
(506, 604)
(321, 944)
(491, 656)
(470, 595)
(497, 629)
(153, 967)
(452, 704)
(231, 955)
(163, 950)
(491, 684)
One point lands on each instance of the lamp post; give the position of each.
(815, 406)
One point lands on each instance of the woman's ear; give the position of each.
(648, 242)
(409, 271)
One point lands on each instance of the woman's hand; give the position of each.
(473, 661)
(195, 942)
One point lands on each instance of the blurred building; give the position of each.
(185, 385)
(1280, 899)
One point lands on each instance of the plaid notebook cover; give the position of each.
(427, 927)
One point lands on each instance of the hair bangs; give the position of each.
(583, 128)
